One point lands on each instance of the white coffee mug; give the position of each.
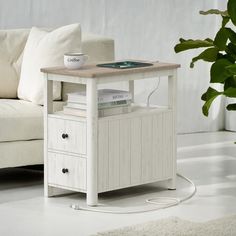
(74, 60)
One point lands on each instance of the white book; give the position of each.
(114, 111)
(76, 105)
(101, 112)
(100, 105)
(104, 95)
(114, 104)
(74, 112)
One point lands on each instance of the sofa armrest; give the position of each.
(99, 48)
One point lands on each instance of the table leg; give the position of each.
(48, 109)
(172, 103)
(92, 126)
(131, 89)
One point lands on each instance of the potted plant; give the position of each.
(221, 52)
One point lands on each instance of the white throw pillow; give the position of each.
(45, 49)
(12, 43)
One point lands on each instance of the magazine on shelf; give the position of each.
(114, 111)
(101, 112)
(74, 111)
(104, 95)
(100, 105)
(76, 105)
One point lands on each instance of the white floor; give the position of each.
(208, 159)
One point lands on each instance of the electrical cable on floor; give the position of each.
(162, 202)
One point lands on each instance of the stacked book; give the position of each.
(110, 102)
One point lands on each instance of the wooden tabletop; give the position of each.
(93, 71)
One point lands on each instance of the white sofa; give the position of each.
(21, 122)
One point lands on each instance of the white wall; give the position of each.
(142, 29)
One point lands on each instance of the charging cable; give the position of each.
(161, 202)
(152, 92)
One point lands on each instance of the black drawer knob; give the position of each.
(64, 136)
(65, 170)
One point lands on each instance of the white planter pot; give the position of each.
(230, 116)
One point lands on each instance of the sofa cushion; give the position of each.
(20, 120)
(45, 48)
(12, 43)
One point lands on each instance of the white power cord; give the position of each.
(162, 202)
(152, 92)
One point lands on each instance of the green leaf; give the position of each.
(230, 82)
(224, 14)
(231, 107)
(229, 56)
(231, 69)
(231, 7)
(192, 44)
(215, 12)
(210, 93)
(232, 35)
(210, 55)
(209, 96)
(230, 92)
(221, 38)
(232, 48)
(209, 40)
(225, 20)
(231, 52)
(218, 71)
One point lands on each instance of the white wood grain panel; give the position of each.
(67, 79)
(145, 75)
(146, 148)
(169, 136)
(114, 153)
(76, 141)
(76, 131)
(136, 150)
(167, 145)
(138, 110)
(157, 146)
(56, 127)
(125, 168)
(65, 153)
(61, 115)
(103, 158)
(76, 176)
(164, 147)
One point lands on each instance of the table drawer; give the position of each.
(68, 171)
(67, 135)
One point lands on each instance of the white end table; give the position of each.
(94, 155)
